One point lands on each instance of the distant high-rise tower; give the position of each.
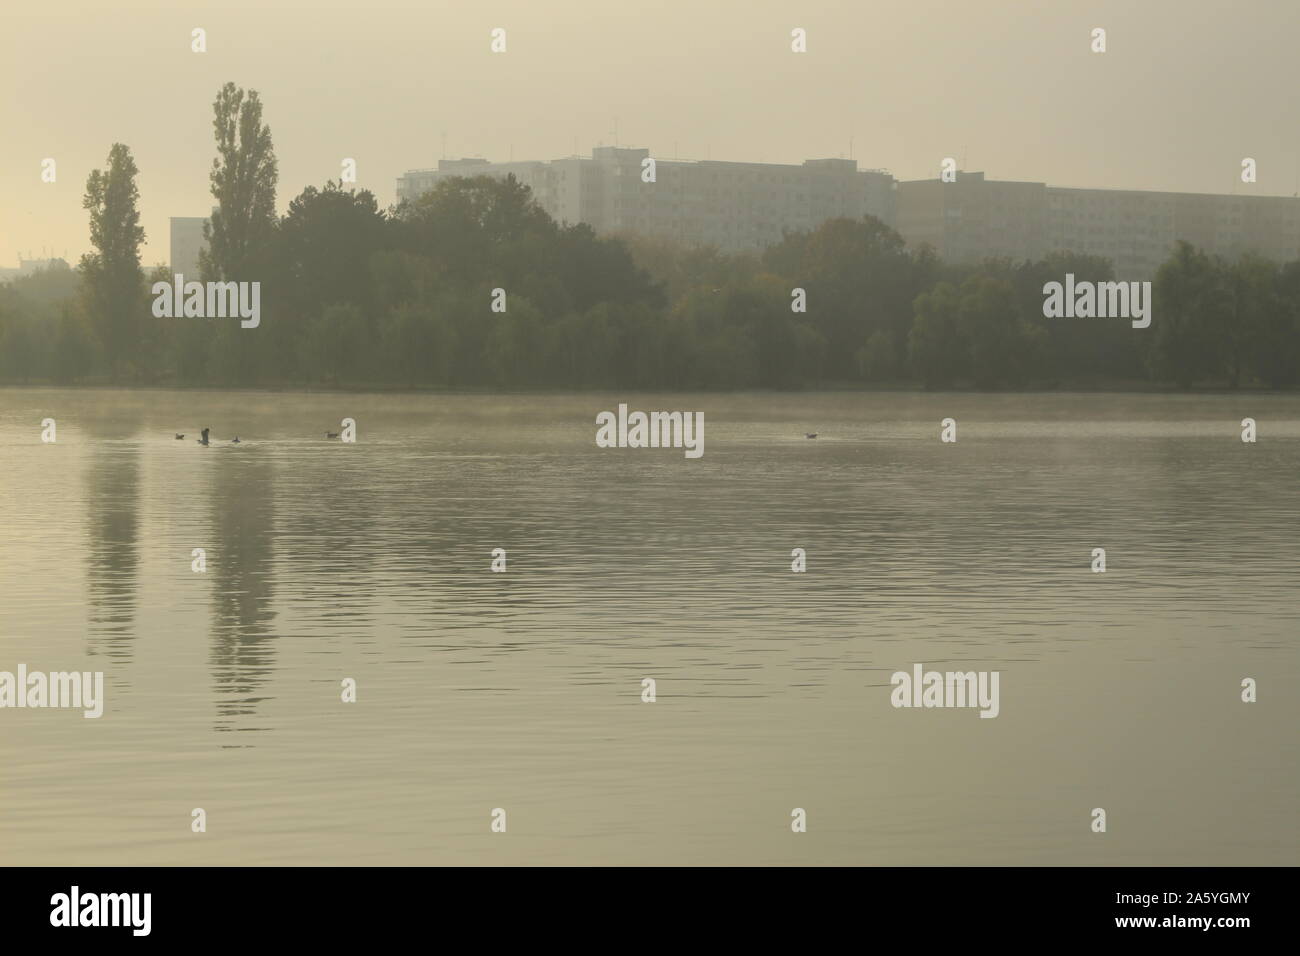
(186, 242)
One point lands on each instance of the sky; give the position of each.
(1185, 90)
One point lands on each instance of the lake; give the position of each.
(522, 690)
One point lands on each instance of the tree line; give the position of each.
(353, 295)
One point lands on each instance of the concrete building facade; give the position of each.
(973, 218)
(748, 206)
(27, 267)
(735, 206)
(186, 243)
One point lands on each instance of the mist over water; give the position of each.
(522, 690)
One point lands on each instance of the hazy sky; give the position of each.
(1186, 89)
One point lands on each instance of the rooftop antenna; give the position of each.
(850, 147)
(444, 144)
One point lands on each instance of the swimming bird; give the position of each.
(331, 434)
(204, 439)
(179, 436)
(809, 434)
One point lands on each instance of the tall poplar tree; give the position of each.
(243, 180)
(112, 277)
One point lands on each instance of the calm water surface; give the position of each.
(522, 690)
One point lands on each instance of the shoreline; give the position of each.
(1117, 388)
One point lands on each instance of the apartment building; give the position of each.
(974, 218)
(735, 206)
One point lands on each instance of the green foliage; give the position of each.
(877, 361)
(937, 348)
(1194, 306)
(357, 296)
(111, 276)
(243, 178)
(860, 279)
